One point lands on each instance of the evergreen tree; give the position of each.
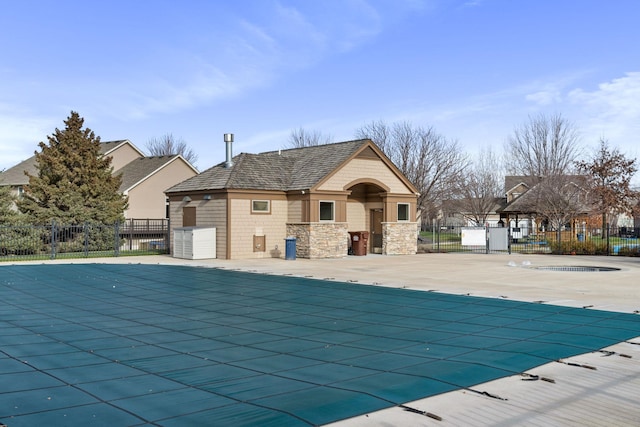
(74, 183)
(7, 210)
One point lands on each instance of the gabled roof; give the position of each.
(527, 202)
(283, 170)
(512, 181)
(140, 169)
(108, 147)
(16, 176)
(523, 204)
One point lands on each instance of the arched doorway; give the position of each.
(366, 211)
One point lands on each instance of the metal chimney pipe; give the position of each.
(228, 139)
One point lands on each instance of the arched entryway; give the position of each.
(366, 211)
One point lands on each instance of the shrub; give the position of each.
(20, 239)
(629, 251)
(578, 248)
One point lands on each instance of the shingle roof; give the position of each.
(528, 201)
(137, 170)
(524, 203)
(107, 146)
(511, 181)
(284, 170)
(15, 175)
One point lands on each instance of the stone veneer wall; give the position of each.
(320, 239)
(399, 238)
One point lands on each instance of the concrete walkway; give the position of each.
(593, 389)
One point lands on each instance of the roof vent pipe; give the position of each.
(228, 139)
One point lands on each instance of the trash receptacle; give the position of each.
(290, 248)
(580, 237)
(359, 241)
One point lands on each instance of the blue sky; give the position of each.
(472, 69)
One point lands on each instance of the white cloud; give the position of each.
(618, 98)
(253, 55)
(20, 135)
(544, 97)
(612, 111)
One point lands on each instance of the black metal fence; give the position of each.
(132, 237)
(623, 241)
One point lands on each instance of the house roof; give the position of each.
(512, 181)
(16, 176)
(283, 170)
(528, 201)
(522, 204)
(142, 168)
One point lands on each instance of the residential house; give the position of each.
(144, 179)
(517, 212)
(535, 205)
(316, 194)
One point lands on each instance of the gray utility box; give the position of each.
(498, 239)
(194, 242)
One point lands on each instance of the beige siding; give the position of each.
(213, 213)
(295, 211)
(357, 217)
(516, 192)
(123, 155)
(245, 225)
(147, 199)
(358, 169)
(209, 213)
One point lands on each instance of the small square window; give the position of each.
(260, 206)
(327, 211)
(403, 211)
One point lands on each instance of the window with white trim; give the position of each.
(260, 206)
(327, 211)
(403, 212)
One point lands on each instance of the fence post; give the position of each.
(116, 239)
(130, 233)
(168, 236)
(486, 238)
(53, 239)
(86, 239)
(608, 241)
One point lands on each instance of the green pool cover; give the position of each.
(132, 345)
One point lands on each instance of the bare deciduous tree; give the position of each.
(560, 199)
(167, 145)
(555, 201)
(481, 187)
(303, 138)
(433, 163)
(610, 173)
(543, 146)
